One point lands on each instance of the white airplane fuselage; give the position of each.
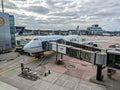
(35, 45)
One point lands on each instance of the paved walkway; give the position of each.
(8, 56)
(73, 67)
(5, 86)
(112, 83)
(54, 81)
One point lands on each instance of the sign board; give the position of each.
(62, 49)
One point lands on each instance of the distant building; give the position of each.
(46, 32)
(94, 30)
(7, 32)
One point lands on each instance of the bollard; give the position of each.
(45, 74)
(49, 72)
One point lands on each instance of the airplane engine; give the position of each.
(95, 45)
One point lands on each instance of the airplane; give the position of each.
(35, 45)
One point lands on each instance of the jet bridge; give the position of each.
(94, 55)
(75, 52)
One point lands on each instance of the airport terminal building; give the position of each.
(7, 32)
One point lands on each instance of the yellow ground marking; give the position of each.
(14, 67)
(34, 58)
(47, 54)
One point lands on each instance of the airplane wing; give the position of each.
(70, 38)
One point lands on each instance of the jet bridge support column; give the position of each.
(100, 60)
(99, 76)
(61, 56)
(56, 51)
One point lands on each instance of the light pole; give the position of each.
(2, 6)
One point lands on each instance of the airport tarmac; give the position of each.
(53, 81)
(5, 86)
(103, 41)
(74, 75)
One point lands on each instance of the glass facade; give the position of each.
(12, 31)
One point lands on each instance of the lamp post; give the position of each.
(2, 6)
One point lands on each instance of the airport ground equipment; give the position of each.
(39, 55)
(94, 55)
(18, 49)
(26, 72)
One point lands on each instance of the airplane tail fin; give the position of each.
(20, 32)
(76, 31)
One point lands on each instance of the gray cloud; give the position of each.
(10, 5)
(37, 9)
(64, 14)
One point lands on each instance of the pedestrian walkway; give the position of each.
(111, 83)
(5, 86)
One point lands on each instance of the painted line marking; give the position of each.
(27, 62)
(14, 67)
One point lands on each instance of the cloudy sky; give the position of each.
(64, 14)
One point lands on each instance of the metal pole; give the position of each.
(99, 73)
(2, 6)
(56, 51)
(56, 56)
(61, 56)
